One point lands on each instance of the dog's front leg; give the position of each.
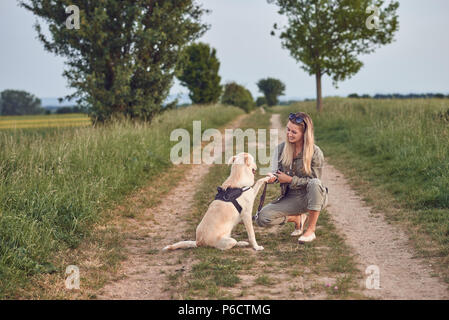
(259, 184)
(248, 222)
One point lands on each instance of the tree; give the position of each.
(260, 101)
(122, 57)
(237, 95)
(272, 89)
(327, 35)
(18, 102)
(198, 71)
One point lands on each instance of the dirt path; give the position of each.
(145, 270)
(376, 242)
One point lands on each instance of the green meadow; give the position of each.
(56, 182)
(396, 153)
(44, 121)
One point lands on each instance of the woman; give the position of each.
(299, 172)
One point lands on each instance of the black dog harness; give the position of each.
(231, 195)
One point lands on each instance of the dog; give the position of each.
(221, 217)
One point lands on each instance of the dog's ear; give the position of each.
(247, 160)
(231, 159)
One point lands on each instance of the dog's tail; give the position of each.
(181, 245)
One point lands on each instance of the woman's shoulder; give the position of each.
(281, 146)
(317, 151)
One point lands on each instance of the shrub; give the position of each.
(261, 101)
(238, 96)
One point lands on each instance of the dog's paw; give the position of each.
(258, 248)
(242, 244)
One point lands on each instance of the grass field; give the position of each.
(44, 121)
(56, 182)
(396, 153)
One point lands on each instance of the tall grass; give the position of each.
(56, 182)
(399, 146)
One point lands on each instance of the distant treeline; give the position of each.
(399, 96)
(62, 110)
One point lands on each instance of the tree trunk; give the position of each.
(319, 98)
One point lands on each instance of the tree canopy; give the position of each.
(326, 36)
(18, 102)
(237, 95)
(198, 71)
(272, 89)
(122, 58)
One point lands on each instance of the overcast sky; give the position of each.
(418, 61)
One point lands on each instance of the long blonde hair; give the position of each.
(308, 146)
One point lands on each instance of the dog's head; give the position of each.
(242, 171)
(245, 159)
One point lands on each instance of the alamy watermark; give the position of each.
(372, 22)
(373, 279)
(213, 153)
(73, 280)
(73, 20)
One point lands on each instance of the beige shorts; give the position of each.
(313, 197)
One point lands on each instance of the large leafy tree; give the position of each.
(198, 71)
(18, 102)
(272, 89)
(123, 56)
(328, 35)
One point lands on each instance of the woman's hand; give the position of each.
(283, 178)
(272, 178)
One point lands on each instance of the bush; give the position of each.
(261, 101)
(239, 96)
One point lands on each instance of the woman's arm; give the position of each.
(316, 170)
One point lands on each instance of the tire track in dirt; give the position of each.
(376, 242)
(145, 270)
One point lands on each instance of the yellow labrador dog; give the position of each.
(222, 216)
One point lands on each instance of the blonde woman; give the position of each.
(298, 171)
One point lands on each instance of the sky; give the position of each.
(417, 62)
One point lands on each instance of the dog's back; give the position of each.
(218, 221)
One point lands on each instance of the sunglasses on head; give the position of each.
(298, 120)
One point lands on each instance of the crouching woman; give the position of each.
(298, 171)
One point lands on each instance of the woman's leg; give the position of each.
(313, 218)
(296, 219)
(299, 220)
(317, 196)
(276, 213)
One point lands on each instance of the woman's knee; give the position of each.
(267, 217)
(315, 186)
(316, 194)
(262, 219)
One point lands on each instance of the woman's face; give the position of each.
(294, 132)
